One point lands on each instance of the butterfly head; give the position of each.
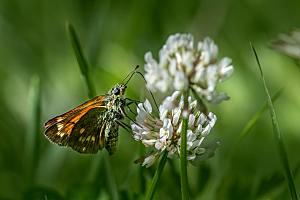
(118, 90)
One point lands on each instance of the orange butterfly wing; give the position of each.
(96, 101)
(80, 128)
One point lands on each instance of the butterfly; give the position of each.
(93, 125)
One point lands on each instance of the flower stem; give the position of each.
(183, 152)
(157, 175)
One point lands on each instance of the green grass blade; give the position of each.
(251, 123)
(34, 129)
(277, 134)
(152, 188)
(85, 70)
(112, 185)
(83, 64)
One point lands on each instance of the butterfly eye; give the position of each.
(116, 91)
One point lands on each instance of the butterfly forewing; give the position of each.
(82, 123)
(95, 102)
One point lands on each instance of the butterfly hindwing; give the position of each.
(88, 134)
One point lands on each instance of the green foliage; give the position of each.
(82, 62)
(37, 62)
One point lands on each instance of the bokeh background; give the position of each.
(115, 35)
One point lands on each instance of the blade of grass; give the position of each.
(251, 123)
(84, 68)
(82, 62)
(277, 134)
(32, 138)
(142, 179)
(112, 185)
(245, 132)
(152, 188)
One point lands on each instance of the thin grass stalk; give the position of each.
(141, 172)
(85, 71)
(152, 188)
(253, 120)
(82, 62)
(245, 132)
(32, 139)
(112, 185)
(183, 150)
(277, 134)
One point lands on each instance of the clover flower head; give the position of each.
(182, 64)
(164, 132)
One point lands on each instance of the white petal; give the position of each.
(226, 69)
(200, 150)
(172, 67)
(150, 142)
(199, 129)
(163, 113)
(212, 77)
(160, 145)
(180, 81)
(218, 98)
(147, 106)
(206, 130)
(148, 161)
(179, 128)
(188, 60)
(191, 136)
(175, 95)
(202, 118)
(191, 121)
(176, 116)
(213, 118)
(191, 156)
(193, 104)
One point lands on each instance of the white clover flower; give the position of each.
(164, 132)
(181, 65)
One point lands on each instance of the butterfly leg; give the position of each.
(132, 101)
(129, 108)
(125, 126)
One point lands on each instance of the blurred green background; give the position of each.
(115, 35)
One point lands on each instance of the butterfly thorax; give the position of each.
(115, 102)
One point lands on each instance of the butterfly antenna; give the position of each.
(130, 75)
(148, 89)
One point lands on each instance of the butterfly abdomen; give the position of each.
(111, 137)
